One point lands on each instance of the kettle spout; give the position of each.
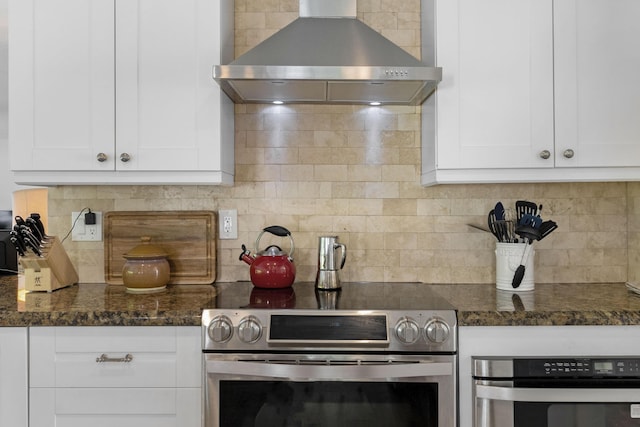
(246, 255)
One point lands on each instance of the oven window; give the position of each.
(319, 404)
(574, 415)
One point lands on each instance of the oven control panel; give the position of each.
(256, 330)
(614, 367)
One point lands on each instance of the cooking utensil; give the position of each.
(491, 222)
(499, 210)
(523, 208)
(478, 227)
(546, 228)
(510, 221)
(530, 232)
(272, 267)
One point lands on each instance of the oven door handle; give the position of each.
(312, 371)
(573, 395)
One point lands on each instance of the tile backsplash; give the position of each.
(354, 172)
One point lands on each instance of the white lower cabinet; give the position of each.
(102, 376)
(13, 377)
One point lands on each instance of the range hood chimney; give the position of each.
(327, 56)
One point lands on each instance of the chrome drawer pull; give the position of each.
(104, 358)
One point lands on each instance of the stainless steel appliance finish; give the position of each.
(556, 391)
(327, 276)
(384, 354)
(328, 56)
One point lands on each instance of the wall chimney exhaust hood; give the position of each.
(327, 56)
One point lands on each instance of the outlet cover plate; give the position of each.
(228, 224)
(86, 233)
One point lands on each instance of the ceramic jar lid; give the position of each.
(146, 250)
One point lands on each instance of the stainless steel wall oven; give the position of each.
(556, 392)
(306, 366)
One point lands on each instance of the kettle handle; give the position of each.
(279, 231)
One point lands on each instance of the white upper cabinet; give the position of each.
(597, 60)
(533, 91)
(119, 91)
(61, 83)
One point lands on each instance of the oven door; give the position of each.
(501, 404)
(329, 390)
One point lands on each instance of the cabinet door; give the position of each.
(61, 84)
(495, 102)
(168, 107)
(127, 407)
(597, 58)
(13, 377)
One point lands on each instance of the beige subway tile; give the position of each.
(399, 172)
(395, 207)
(299, 172)
(280, 20)
(381, 20)
(263, 5)
(382, 190)
(329, 138)
(348, 190)
(332, 173)
(361, 172)
(250, 20)
(314, 155)
(401, 5)
(281, 156)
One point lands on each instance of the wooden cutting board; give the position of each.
(187, 236)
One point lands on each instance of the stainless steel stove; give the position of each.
(360, 355)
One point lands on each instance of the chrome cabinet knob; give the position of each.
(125, 157)
(101, 157)
(569, 153)
(545, 154)
(437, 331)
(220, 329)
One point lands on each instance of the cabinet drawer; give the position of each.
(80, 407)
(114, 357)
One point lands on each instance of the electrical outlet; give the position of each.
(82, 232)
(228, 224)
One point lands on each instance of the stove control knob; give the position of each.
(407, 330)
(436, 331)
(249, 329)
(220, 329)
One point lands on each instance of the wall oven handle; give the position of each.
(573, 395)
(302, 372)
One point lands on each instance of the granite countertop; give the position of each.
(548, 304)
(182, 305)
(94, 304)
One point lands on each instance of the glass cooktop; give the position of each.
(352, 296)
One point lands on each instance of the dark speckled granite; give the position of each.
(557, 304)
(477, 305)
(103, 305)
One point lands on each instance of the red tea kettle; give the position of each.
(272, 267)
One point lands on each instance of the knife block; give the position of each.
(53, 270)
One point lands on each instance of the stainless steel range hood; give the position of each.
(327, 56)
